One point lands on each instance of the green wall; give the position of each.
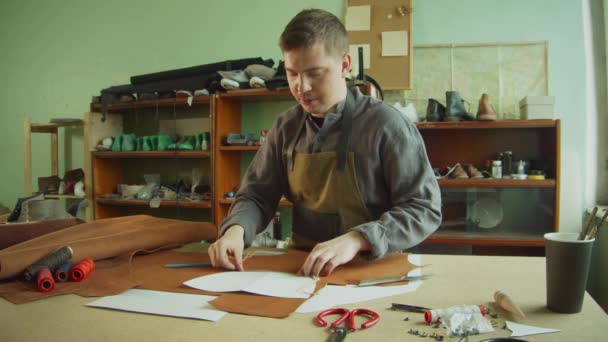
(57, 54)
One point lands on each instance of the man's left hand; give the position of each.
(328, 255)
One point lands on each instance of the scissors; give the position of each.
(338, 332)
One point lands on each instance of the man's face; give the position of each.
(316, 78)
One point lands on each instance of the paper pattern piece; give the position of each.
(275, 284)
(162, 303)
(358, 18)
(353, 51)
(394, 43)
(525, 330)
(336, 295)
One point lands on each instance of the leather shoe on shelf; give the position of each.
(456, 172)
(455, 110)
(472, 172)
(485, 112)
(435, 111)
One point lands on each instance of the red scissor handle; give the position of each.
(351, 318)
(343, 312)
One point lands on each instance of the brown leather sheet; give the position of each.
(14, 233)
(147, 272)
(104, 239)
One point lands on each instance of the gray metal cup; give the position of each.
(567, 262)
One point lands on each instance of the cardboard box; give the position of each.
(537, 107)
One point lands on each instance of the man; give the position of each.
(355, 169)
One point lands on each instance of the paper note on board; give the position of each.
(358, 18)
(394, 43)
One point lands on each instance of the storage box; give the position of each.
(536, 107)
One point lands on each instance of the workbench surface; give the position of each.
(456, 280)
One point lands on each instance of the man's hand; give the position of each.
(328, 255)
(229, 246)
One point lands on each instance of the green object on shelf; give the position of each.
(128, 142)
(197, 141)
(116, 145)
(186, 143)
(146, 146)
(154, 142)
(138, 143)
(164, 141)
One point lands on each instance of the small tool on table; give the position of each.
(339, 333)
(378, 281)
(409, 308)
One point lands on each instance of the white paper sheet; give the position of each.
(336, 295)
(525, 330)
(162, 303)
(358, 18)
(394, 43)
(275, 284)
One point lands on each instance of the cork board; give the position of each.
(392, 72)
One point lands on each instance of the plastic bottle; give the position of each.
(497, 169)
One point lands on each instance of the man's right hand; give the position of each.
(227, 251)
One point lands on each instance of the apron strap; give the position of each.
(344, 140)
(347, 123)
(292, 145)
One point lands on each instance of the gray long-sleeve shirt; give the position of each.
(393, 173)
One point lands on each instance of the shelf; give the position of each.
(62, 196)
(240, 148)
(151, 154)
(487, 124)
(145, 203)
(228, 201)
(489, 238)
(177, 101)
(497, 183)
(253, 95)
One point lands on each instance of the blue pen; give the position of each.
(203, 264)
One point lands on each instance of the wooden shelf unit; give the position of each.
(144, 203)
(51, 128)
(227, 159)
(177, 101)
(107, 167)
(448, 143)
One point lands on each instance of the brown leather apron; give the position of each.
(326, 198)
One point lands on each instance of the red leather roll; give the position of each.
(44, 280)
(81, 270)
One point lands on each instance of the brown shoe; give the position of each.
(457, 172)
(485, 112)
(473, 172)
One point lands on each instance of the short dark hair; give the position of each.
(312, 26)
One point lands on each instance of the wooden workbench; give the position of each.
(456, 280)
